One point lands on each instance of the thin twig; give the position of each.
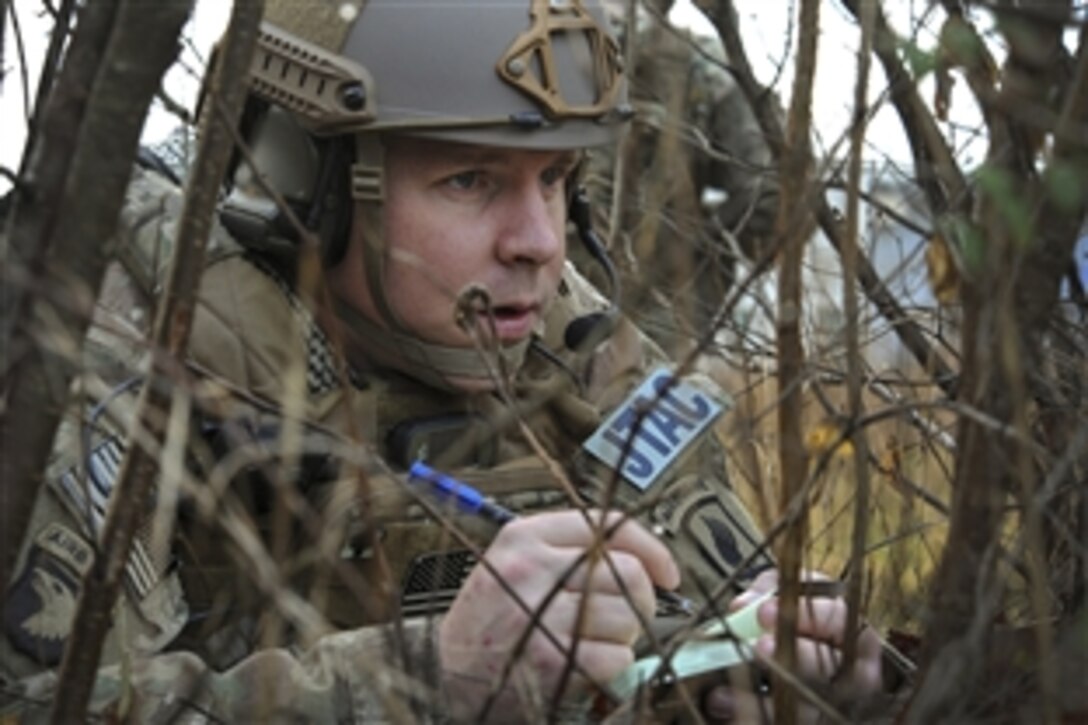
(793, 226)
(20, 50)
(853, 352)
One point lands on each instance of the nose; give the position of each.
(533, 229)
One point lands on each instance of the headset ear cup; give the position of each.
(318, 191)
(335, 200)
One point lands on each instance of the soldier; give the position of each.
(435, 153)
(697, 190)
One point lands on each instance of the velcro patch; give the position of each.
(89, 497)
(673, 415)
(724, 535)
(41, 603)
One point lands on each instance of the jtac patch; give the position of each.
(673, 414)
(42, 602)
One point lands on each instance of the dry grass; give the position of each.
(906, 532)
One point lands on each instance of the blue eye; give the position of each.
(465, 181)
(554, 175)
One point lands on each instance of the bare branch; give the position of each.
(58, 39)
(911, 335)
(936, 169)
(20, 50)
(35, 380)
(793, 226)
(134, 35)
(860, 440)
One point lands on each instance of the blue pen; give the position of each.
(470, 500)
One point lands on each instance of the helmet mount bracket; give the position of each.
(529, 63)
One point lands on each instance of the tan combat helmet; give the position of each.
(523, 73)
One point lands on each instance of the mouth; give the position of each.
(514, 322)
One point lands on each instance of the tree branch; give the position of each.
(34, 377)
(793, 227)
(854, 373)
(910, 334)
(138, 470)
(935, 168)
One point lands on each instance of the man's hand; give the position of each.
(821, 628)
(479, 634)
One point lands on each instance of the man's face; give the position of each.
(456, 215)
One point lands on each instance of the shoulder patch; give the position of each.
(88, 499)
(725, 536)
(42, 600)
(673, 415)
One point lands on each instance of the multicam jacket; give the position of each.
(290, 572)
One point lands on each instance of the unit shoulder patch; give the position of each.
(42, 600)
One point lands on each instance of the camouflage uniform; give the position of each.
(194, 632)
(698, 184)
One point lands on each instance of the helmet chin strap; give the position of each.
(391, 344)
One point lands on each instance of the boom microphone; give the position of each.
(586, 332)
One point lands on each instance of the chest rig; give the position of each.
(509, 450)
(530, 453)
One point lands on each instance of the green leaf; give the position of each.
(1065, 182)
(999, 185)
(971, 243)
(920, 60)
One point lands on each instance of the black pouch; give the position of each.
(445, 441)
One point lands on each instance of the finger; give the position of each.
(866, 676)
(598, 661)
(538, 572)
(571, 529)
(816, 661)
(822, 619)
(814, 584)
(619, 573)
(766, 581)
(596, 617)
(725, 704)
(870, 647)
(820, 662)
(719, 705)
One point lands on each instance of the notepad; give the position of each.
(716, 645)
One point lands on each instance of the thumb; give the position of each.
(718, 705)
